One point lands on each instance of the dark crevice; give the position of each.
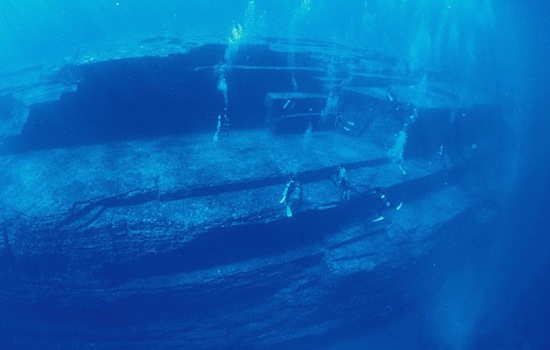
(303, 177)
(232, 244)
(81, 209)
(137, 196)
(98, 213)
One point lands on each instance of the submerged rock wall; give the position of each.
(218, 264)
(125, 225)
(147, 97)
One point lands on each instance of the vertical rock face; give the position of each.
(13, 114)
(125, 225)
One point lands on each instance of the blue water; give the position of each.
(485, 288)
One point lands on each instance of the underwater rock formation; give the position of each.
(118, 206)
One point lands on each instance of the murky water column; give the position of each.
(236, 37)
(299, 16)
(232, 47)
(333, 87)
(459, 38)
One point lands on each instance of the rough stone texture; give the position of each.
(148, 234)
(173, 241)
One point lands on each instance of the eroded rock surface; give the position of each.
(169, 239)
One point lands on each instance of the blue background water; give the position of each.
(488, 292)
